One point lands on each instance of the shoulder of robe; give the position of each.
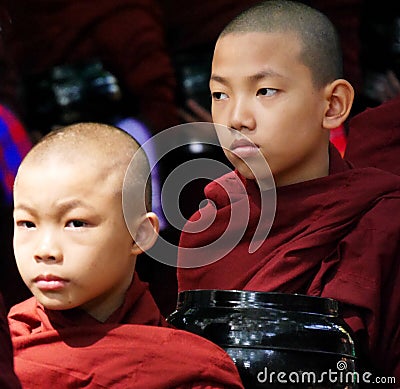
(23, 318)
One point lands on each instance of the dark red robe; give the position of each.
(134, 348)
(374, 137)
(336, 236)
(8, 379)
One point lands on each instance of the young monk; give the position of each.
(277, 82)
(91, 322)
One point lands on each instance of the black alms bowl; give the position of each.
(276, 340)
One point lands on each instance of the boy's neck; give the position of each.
(314, 171)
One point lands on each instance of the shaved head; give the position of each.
(321, 51)
(96, 138)
(105, 147)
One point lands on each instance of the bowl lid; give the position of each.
(254, 299)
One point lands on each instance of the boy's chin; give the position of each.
(246, 172)
(264, 178)
(252, 168)
(242, 167)
(53, 303)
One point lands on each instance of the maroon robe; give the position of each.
(134, 348)
(336, 236)
(8, 379)
(374, 137)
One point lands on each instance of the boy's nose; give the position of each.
(242, 117)
(48, 249)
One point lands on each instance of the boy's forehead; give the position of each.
(234, 38)
(255, 54)
(93, 139)
(73, 158)
(102, 147)
(99, 153)
(87, 170)
(72, 164)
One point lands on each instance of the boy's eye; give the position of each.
(76, 224)
(266, 92)
(219, 96)
(25, 224)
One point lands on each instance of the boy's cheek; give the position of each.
(20, 241)
(22, 248)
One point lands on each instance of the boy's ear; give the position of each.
(340, 96)
(146, 233)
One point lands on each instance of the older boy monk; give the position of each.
(91, 322)
(277, 82)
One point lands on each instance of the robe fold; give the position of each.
(337, 236)
(374, 137)
(8, 379)
(134, 348)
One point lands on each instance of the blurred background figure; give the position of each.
(380, 52)
(191, 35)
(15, 142)
(83, 60)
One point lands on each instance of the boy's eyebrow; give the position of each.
(268, 73)
(219, 79)
(24, 207)
(63, 206)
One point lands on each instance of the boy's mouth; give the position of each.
(243, 148)
(50, 282)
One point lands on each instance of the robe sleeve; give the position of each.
(374, 137)
(367, 281)
(122, 356)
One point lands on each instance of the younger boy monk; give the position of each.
(91, 322)
(277, 82)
